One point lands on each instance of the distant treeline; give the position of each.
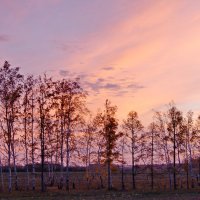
(38, 168)
(115, 168)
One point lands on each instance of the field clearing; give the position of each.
(81, 190)
(78, 179)
(102, 194)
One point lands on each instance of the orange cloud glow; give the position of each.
(139, 54)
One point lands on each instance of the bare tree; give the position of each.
(27, 117)
(196, 143)
(122, 145)
(109, 132)
(33, 85)
(43, 98)
(99, 143)
(164, 142)
(10, 92)
(71, 109)
(134, 127)
(151, 149)
(50, 146)
(1, 165)
(175, 117)
(86, 147)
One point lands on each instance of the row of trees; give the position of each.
(47, 121)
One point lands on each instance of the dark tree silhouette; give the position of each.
(133, 126)
(175, 117)
(110, 135)
(10, 92)
(44, 95)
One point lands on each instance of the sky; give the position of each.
(140, 54)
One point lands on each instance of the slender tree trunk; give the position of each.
(15, 168)
(42, 151)
(9, 151)
(27, 175)
(13, 152)
(9, 167)
(133, 175)
(133, 162)
(33, 171)
(174, 154)
(67, 142)
(87, 161)
(169, 176)
(52, 172)
(99, 168)
(168, 163)
(27, 171)
(122, 177)
(190, 158)
(122, 168)
(179, 159)
(109, 176)
(109, 163)
(1, 173)
(187, 175)
(109, 160)
(61, 155)
(13, 145)
(42, 165)
(199, 169)
(67, 162)
(9, 174)
(32, 143)
(42, 172)
(152, 161)
(187, 166)
(26, 150)
(49, 169)
(43, 155)
(57, 151)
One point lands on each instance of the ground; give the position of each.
(102, 194)
(82, 192)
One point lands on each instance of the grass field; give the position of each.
(82, 192)
(94, 194)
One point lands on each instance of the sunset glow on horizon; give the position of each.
(140, 54)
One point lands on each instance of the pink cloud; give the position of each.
(154, 45)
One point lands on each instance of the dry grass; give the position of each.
(99, 195)
(82, 192)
